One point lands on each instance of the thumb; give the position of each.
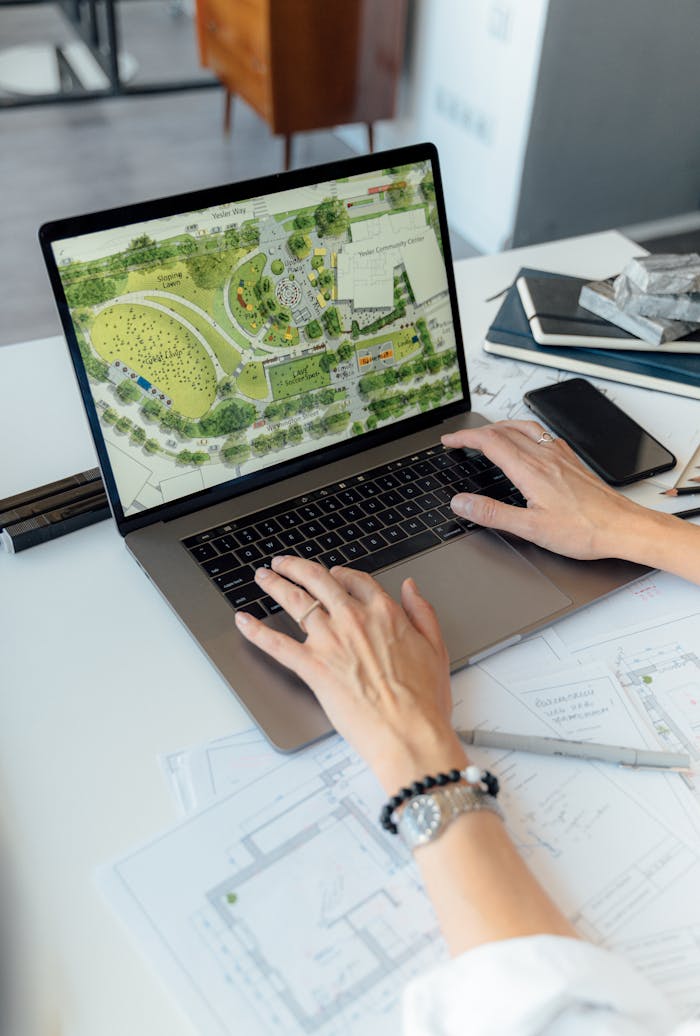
(421, 614)
(492, 514)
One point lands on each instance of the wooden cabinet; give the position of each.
(305, 64)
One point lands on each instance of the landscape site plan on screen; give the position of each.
(222, 341)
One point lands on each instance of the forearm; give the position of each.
(480, 888)
(657, 540)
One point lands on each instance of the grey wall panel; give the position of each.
(615, 131)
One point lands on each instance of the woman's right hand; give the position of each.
(569, 509)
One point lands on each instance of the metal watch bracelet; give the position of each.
(425, 817)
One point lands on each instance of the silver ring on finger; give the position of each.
(545, 437)
(302, 618)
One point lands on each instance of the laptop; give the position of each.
(267, 367)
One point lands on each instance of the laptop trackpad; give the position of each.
(482, 589)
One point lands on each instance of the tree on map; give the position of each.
(331, 322)
(236, 452)
(128, 392)
(152, 409)
(317, 428)
(230, 416)
(232, 238)
(277, 267)
(151, 446)
(326, 396)
(328, 361)
(331, 217)
(123, 424)
(369, 383)
(304, 220)
(250, 235)
(225, 387)
(424, 335)
(313, 330)
(262, 444)
(400, 194)
(209, 271)
(299, 245)
(346, 351)
(187, 246)
(335, 423)
(184, 457)
(143, 241)
(317, 262)
(199, 458)
(307, 402)
(427, 187)
(295, 433)
(110, 416)
(91, 292)
(357, 428)
(434, 363)
(372, 423)
(138, 436)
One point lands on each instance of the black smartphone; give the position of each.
(610, 442)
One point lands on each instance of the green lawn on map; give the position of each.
(297, 376)
(157, 347)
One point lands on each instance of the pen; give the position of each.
(636, 757)
(683, 491)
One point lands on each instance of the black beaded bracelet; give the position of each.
(472, 775)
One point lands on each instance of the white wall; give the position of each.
(475, 65)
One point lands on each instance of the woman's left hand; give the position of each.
(379, 669)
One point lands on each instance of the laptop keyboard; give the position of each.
(369, 521)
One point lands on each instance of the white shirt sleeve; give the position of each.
(543, 985)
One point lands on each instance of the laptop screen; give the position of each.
(222, 341)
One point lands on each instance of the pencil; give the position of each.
(682, 491)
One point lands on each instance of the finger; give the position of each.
(505, 447)
(311, 577)
(421, 614)
(359, 585)
(492, 514)
(294, 599)
(285, 650)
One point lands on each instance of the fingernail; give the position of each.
(242, 619)
(262, 573)
(279, 557)
(461, 505)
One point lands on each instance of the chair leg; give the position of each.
(227, 111)
(370, 136)
(287, 150)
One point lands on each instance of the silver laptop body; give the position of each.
(262, 348)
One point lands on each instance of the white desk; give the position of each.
(98, 678)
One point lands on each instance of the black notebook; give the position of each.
(552, 307)
(555, 317)
(510, 335)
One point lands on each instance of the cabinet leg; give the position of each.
(287, 150)
(370, 137)
(227, 111)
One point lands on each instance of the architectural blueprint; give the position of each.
(279, 905)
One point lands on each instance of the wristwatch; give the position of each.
(425, 817)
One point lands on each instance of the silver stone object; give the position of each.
(665, 274)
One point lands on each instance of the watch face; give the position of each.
(422, 818)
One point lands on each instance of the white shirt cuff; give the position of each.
(532, 986)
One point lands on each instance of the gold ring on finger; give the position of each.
(302, 618)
